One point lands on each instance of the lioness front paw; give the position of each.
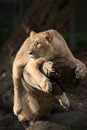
(80, 71)
(17, 108)
(46, 85)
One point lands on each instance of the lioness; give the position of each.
(39, 47)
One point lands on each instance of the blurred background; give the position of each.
(12, 12)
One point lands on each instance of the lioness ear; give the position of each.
(32, 33)
(48, 36)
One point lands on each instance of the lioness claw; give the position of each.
(80, 71)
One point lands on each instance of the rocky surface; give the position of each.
(74, 120)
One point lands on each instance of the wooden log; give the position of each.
(61, 73)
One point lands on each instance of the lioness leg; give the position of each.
(64, 51)
(81, 69)
(17, 74)
(41, 80)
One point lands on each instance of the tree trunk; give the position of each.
(41, 15)
(50, 14)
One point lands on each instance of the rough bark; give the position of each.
(62, 72)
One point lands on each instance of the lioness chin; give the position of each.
(37, 48)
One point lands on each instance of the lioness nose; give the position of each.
(30, 52)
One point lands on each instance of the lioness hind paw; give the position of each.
(80, 71)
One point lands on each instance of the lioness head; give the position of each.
(41, 45)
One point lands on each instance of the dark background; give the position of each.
(12, 12)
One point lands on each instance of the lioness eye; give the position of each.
(38, 45)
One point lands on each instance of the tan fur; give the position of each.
(35, 49)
